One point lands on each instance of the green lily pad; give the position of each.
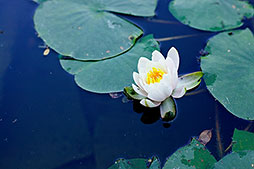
(154, 163)
(243, 140)
(211, 15)
(194, 155)
(138, 163)
(244, 160)
(88, 30)
(110, 75)
(229, 72)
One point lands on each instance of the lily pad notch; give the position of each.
(89, 30)
(229, 72)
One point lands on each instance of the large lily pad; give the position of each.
(244, 160)
(88, 30)
(211, 15)
(243, 140)
(110, 75)
(194, 155)
(229, 72)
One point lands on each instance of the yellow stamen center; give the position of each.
(154, 76)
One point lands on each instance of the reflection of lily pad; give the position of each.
(87, 30)
(211, 15)
(110, 75)
(244, 160)
(194, 154)
(231, 60)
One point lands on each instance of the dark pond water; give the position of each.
(48, 122)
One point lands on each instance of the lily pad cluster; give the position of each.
(229, 72)
(95, 39)
(228, 65)
(211, 15)
(195, 155)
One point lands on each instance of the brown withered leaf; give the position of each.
(205, 137)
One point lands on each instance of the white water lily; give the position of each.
(157, 80)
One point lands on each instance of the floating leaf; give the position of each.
(243, 140)
(194, 155)
(205, 137)
(110, 75)
(211, 15)
(229, 72)
(138, 163)
(88, 30)
(243, 160)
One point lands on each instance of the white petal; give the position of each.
(170, 64)
(156, 56)
(173, 54)
(139, 90)
(142, 77)
(149, 103)
(172, 70)
(178, 92)
(167, 106)
(142, 64)
(168, 81)
(136, 79)
(155, 93)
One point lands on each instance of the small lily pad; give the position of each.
(229, 72)
(88, 30)
(194, 155)
(110, 75)
(211, 15)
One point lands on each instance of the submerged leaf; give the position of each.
(229, 72)
(205, 137)
(211, 15)
(88, 30)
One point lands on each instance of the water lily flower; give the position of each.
(157, 80)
